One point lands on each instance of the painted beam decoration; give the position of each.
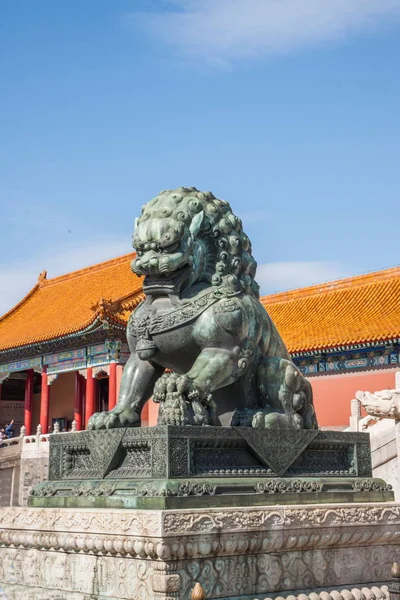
(71, 360)
(341, 360)
(361, 358)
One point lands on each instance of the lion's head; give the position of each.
(185, 237)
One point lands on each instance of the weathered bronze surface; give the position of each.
(203, 346)
(187, 467)
(202, 320)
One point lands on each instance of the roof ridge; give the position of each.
(91, 268)
(343, 283)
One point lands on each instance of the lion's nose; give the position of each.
(153, 262)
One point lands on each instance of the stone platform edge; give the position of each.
(146, 533)
(249, 553)
(371, 592)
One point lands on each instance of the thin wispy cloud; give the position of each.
(279, 276)
(220, 32)
(22, 276)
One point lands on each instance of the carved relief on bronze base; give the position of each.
(203, 492)
(193, 467)
(173, 452)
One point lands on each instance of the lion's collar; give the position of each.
(146, 324)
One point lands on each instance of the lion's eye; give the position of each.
(171, 248)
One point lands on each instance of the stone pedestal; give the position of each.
(197, 467)
(247, 513)
(248, 553)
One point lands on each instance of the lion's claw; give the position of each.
(181, 402)
(114, 419)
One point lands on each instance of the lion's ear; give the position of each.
(136, 223)
(196, 224)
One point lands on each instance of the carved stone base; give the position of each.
(251, 553)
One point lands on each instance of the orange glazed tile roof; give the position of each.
(69, 303)
(365, 308)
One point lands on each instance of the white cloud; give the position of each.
(279, 276)
(20, 277)
(222, 31)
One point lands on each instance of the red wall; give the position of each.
(333, 393)
(149, 414)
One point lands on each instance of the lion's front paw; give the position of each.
(181, 403)
(174, 411)
(114, 419)
(272, 420)
(172, 383)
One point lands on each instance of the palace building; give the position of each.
(63, 347)
(344, 336)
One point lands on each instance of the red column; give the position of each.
(144, 415)
(90, 382)
(44, 403)
(78, 401)
(153, 413)
(120, 370)
(28, 402)
(112, 386)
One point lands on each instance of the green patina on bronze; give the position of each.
(170, 494)
(203, 346)
(203, 321)
(188, 467)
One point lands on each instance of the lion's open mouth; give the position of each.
(168, 283)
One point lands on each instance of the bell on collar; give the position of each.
(146, 349)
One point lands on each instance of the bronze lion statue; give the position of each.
(202, 344)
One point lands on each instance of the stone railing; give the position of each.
(10, 448)
(24, 463)
(30, 444)
(34, 444)
(35, 459)
(10, 460)
(384, 429)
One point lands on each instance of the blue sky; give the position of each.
(288, 109)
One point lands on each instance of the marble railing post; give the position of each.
(38, 434)
(355, 417)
